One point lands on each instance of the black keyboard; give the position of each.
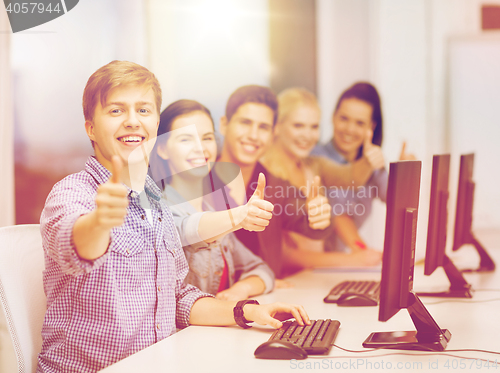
(316, 338)
(368, 288)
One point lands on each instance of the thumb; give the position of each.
(368, 139)
(403, 150)
(313, 193)
(261, 185)
(116, 169)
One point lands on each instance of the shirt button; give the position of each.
(159, 219)
(158, 326)
(143, 217)
(127, 250)
(159, 288)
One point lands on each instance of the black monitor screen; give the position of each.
(463, 215)
(399, 244)
(438, 213)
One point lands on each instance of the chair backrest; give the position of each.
(21, 291)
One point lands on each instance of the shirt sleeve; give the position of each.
(186, 295)
(65, 204)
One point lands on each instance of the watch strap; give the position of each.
(238, 313)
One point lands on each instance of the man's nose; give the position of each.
(132, 119)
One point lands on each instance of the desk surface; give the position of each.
(473, 325)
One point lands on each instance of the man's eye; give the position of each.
(143, 111)
(116, 111)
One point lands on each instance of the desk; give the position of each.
(230, 349)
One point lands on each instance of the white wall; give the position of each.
(204, 50)
(474, 88)
(6, 126)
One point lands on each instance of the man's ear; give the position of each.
(373, 125)
(161, 150)
(223, 125)
(89, 128)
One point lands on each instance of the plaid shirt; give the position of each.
(101, 311)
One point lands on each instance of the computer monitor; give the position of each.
(435, 255)
(463, 215)
(397, 267)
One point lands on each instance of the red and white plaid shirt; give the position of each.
(101, 311)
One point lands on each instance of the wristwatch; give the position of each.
(238, 313)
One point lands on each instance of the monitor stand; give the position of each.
(459, 287)
(428, 336)
(486, 263)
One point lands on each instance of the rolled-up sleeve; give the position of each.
(65, 204)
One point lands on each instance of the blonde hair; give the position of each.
(291, 98)
(113, 75)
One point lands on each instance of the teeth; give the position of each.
(200, 161)
(249, 148)
(131, 139)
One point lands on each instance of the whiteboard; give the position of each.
(474, 122)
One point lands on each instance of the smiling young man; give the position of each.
(114, 265)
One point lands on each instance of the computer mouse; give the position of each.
(280, 350)
(356, 300)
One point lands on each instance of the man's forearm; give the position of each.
(210, 311)
(347, 231)
(361, 171)
(91, 242)
(215, 225)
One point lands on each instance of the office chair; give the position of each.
(21, 291)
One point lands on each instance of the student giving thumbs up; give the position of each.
(92, 232)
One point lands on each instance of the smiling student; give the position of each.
(296, 134)
(220, 264)
(114, 273)
(358, 112)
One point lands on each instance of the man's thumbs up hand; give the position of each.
(318, 207)
(111, 199)
(257, 212)
(373, 153)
